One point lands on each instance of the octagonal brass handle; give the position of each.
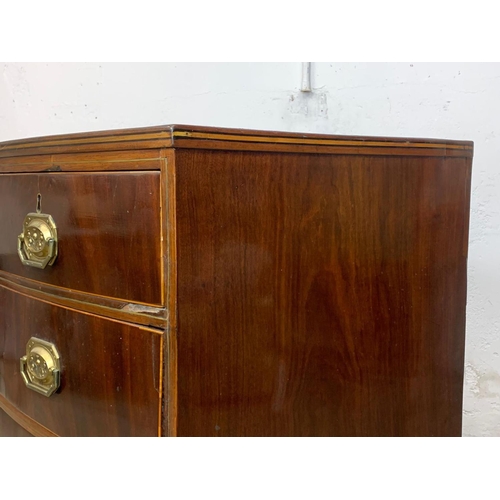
(37, 244)
(41, 367)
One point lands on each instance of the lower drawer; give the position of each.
(110, 372)
(9, 428)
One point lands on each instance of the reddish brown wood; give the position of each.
(110, 384)
(356, 150)
(108, 229)
(320, 295)
(9, 428)
(31, 426)
(125, 140)
(305, 284)
(148, 159)
(112, 137)
(186, 136)
(96, 304)
(169, 131)
(169, 237)
(303, 137)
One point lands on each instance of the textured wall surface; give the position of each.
(447, 101)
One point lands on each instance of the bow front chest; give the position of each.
(193, 281)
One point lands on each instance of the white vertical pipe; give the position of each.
(306, 77)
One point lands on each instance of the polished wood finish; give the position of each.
(22, 423)
(169, 236)
(266, 283)
(148, 159)
(320, 295)
(110, 371)
(246, 140)
(108, 228)
(186, 136)
(96, 304)
(10, 428)
(319, 149)
(93, 141)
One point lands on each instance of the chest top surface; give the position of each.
(198, 137)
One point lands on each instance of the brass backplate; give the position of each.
(41, 367)
(37, 244)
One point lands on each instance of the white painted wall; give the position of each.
(447, 101)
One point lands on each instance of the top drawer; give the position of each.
(108, 231)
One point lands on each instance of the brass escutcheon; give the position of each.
(37, 244)
(41, 367)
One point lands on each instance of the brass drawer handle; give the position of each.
(37, 244)
(41, 367)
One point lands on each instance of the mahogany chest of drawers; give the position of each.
(193, 281)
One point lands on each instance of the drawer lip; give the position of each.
(109, 307)
(109, 226)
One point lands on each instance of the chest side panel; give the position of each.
(320, 294)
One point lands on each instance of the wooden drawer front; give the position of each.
(110, 371)
(9, 428)
(108, 227)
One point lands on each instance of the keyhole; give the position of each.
(38, 203)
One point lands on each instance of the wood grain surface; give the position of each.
(148, 159)
(111, 372)
(231, 282)
(30, 425)
(169, 238)
(108, 229)
(9, 428)
(86, 302)
(320, 295)
(188, 136)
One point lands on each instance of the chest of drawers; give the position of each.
(196, 281)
